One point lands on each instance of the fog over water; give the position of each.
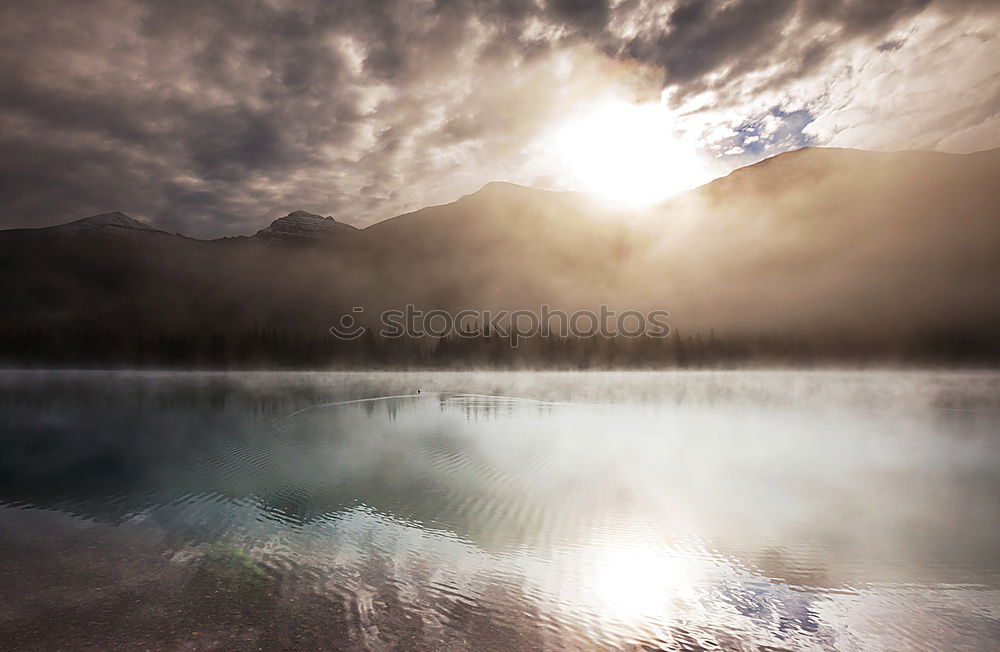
(662, 510)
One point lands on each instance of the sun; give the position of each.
(627, 154)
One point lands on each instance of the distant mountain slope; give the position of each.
(104, 223)
(836, 240)
(819, 242)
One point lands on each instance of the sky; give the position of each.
(212, 118)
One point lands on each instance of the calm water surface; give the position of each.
(500, 511)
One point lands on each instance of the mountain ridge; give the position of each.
(835, 244)
(113, 219)
(302, 223)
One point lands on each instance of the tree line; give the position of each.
(265, 347)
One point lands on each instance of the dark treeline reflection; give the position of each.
(268, 347)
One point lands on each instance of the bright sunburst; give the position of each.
(627, 154)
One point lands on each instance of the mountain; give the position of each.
(301, 226)
(840, 241)
(834, 245)
(115, 225)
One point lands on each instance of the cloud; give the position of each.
(947, 83)
(212, 118)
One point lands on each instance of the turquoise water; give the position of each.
(507, 511)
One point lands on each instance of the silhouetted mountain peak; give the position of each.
(507, 189)
(114, 218)
(115, 223)
(304, 214)
(302, 225)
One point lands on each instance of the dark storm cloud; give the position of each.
(858, 17)
(704, 38)
(209, 117)
(588, 15)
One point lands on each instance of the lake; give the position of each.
(826, 510)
